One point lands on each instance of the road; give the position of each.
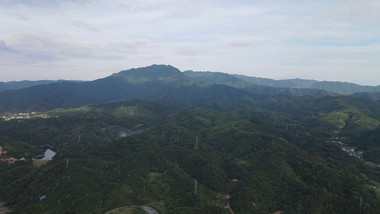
(148, 210)
(4, 210)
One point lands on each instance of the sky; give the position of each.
(334, 40)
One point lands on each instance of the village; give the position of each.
(10, 160)
(352, 151)
(24, 116)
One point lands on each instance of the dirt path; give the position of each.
(229, 208)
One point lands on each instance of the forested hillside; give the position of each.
(156, 137)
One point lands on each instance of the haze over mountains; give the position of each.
(165, 83)
(344, 88)
(241, 81)
(5, 86)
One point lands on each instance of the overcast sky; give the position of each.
(90, 39)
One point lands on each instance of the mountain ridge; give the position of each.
(160, 83)
(135, 75)
(233, 81)
(13, 85)
(344, 88)
(157, 82)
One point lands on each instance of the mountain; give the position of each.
(5, 86)
(343, 88)
(161, 83)
(218, 78)
(233, 81)
(157, 82)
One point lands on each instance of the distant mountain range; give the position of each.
(343, 88)
(12, 85)
(233, 81)
(291, 87)
(164, 83)
(157, 82)
(262, 85)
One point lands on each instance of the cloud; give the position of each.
(42, 3)
(4, 47)
(85, 26)
(277, 38)
(11, 55)
(36, 48)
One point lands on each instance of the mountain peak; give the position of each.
(165, 74)
(152, 71)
